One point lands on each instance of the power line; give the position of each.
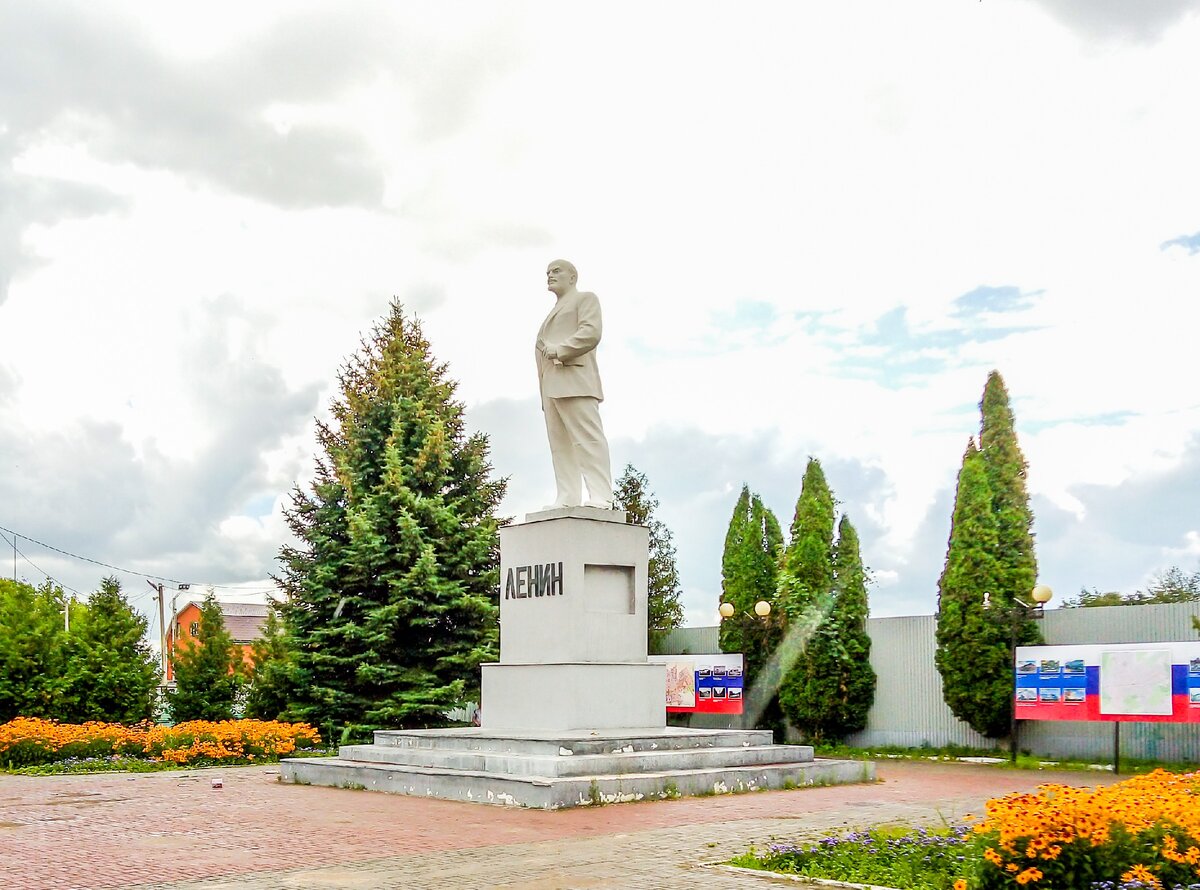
(38, 568)
(106, 565)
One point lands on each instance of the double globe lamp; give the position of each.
(762, 609)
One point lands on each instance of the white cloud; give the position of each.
(779, 207)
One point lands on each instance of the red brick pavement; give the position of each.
(116, 830)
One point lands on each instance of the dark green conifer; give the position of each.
(111, 674)
(974, 641)
(272, 676)
(632, 494)
(1006, 472)
(806, 598)
(206, 671)
(392, 597)
(749, 572)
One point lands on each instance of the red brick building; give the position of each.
(244, 621)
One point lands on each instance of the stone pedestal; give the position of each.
(573, 588)
(573, 714)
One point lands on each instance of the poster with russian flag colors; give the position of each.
(703, 684)
(1126, 682)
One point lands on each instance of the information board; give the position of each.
(1124, 682)
(703, 684)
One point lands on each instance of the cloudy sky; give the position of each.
(814, 228)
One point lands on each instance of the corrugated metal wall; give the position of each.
(909, 709)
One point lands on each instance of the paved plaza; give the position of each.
(174, 830)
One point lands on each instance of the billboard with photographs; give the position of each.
(703, 684)
(1127, 682)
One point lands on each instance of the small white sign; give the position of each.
(1136, 682)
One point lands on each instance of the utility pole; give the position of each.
(67, 613)
(162, 627)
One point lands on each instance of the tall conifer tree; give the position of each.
(990, 559)
(111, 674)
(632, 494)
(806, 597)
(851, 679)
(1006, 471)
(206, 672)
(749, 573)
(973, 654)
(392, 591)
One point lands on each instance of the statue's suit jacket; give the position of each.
(572, 329)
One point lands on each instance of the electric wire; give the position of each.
(176, 581)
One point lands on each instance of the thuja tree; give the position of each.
(110, 674)
(632, 494)
(974, 653)
(806, 592)
(392, 597)
(1006, 470)
(839, 681)
(749, 572)
(206, 671)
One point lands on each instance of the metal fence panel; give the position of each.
(909, 710)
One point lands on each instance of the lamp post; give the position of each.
(762, 609)
(1020, 611)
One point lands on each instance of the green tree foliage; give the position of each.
(110, 672)
(749, 573)
(392, 596)
(807, 578)
(32, 653)
(206, 678)
(974, 654)
(843, 665)
(1173, 585)
(1006, 470)
(990, 559)
(272, 677)
(632, 494)
(828, 690)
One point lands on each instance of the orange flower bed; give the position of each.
(27, 741)
(1145, 829)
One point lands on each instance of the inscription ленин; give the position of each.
(539, 580)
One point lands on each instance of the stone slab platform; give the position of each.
(572, 769)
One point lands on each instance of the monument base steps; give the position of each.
(568, 769)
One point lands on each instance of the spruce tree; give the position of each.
(392, 597)
(749, 572)
(206, 678)
(632, 494)
(1006, 472)
(111, 674)
(974, 654)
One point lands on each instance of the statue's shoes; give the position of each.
(599, 505)
(558, 506)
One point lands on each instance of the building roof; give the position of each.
(244, 621)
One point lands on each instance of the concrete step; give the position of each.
(551, 744)
(563, 763)
(567, 791)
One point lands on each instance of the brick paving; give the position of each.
(171, 831)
